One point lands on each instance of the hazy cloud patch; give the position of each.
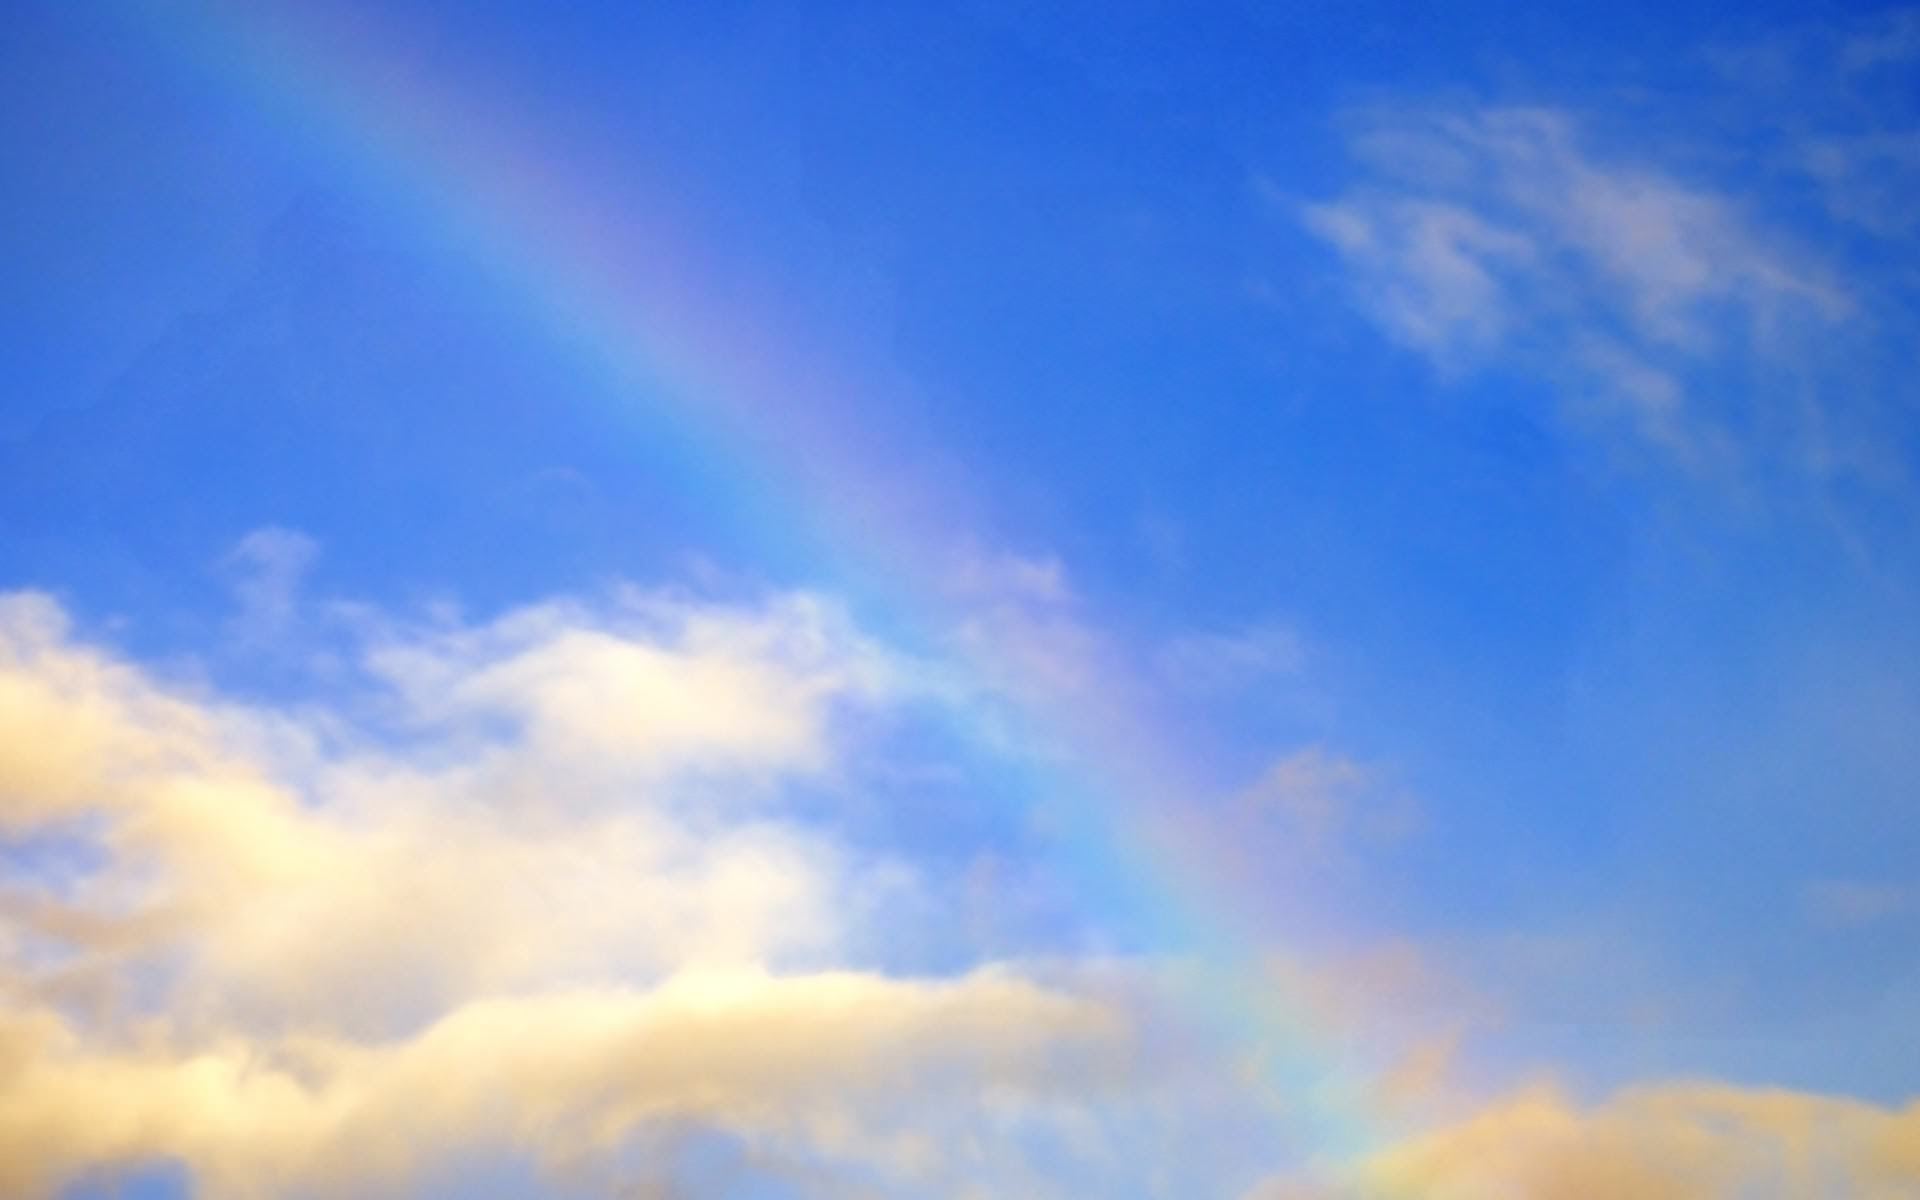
(1501, 238)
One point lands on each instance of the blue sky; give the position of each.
(982, 599)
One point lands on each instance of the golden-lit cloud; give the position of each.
(529, 888)
(562, 1077)
(300, 879)
(552, 907)
(666, 685)
(1671, 1141)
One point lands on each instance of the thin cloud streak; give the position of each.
(1494, 238)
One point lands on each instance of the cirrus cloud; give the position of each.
(1497, 237)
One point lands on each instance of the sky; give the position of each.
(759, 601)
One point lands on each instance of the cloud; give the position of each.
(529, 832)
(1019, 617)
(1494, 237)
(663, 684)
(1672, 1141)
(1032, 650)
(267, 568)
(556, 886)
(528, 886)
(1539, 1145)
(1307, 834)
(1227, 662)
(1317, 798)
(498, 895)
(1834, 106)
(1886, 39)
(564, 1077)
(1432, 272)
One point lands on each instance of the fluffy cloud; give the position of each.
(1666, 1142)
(564, 1077)
(670, 686)
(529, 831)
(516, 890)
(527, 890)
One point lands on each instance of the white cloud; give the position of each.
(647, 682)
(1434, 274)
(1494, 237)
(508, 899)
(1672, 1141)
(267, 568)
(547, 903)
(564, 1077)
(475, 855)
(1832, 100)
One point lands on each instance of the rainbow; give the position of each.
(766, 416)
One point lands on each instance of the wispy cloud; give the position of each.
(1227, 661)
(1499, 238)
(1886, 39)
(1318, 800)
(266, 570)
